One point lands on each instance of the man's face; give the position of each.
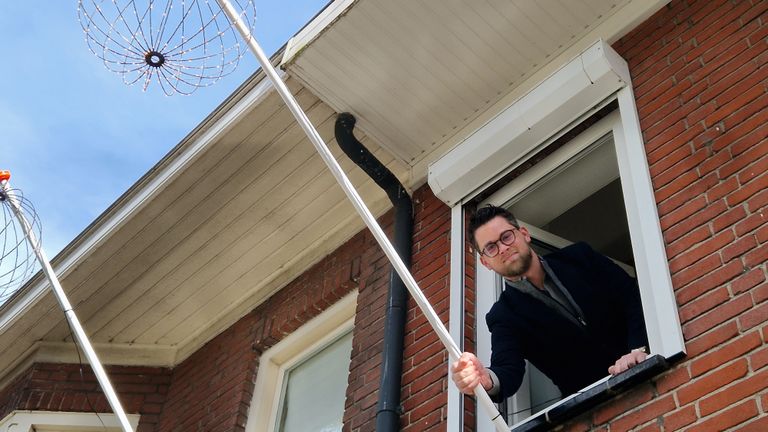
(513, 260)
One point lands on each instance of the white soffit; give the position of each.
(415, 72)
(517, 130)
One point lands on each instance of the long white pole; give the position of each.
(357, 202)
(80, 335)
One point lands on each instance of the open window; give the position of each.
(301, 381)
(582, 191)
(572, 195)
(595, 186)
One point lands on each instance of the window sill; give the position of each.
(593, 396)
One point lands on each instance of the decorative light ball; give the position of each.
(18, 261)
(182, 45)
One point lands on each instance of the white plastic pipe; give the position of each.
(357, 202)
(80, 335)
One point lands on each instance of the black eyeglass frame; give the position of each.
(495, 245)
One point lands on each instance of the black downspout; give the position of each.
(389, 409)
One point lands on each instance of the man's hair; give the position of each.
(483, 215)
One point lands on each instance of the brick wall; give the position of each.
(424, 361)
(701, 83)
(62, 387)
(213, 388)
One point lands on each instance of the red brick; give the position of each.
(728, 219)
(710, 281)
(759, 425)
(714, 380)
(703, 304)
(742, 136)
(741, 100)
(695, 271)
(742, 113)
(759, 359)
(679, 183)
(748, 280)
(744, 159)
(740, 390)
(688, 241)
(760, 293)
(645, 413)
(698, 187)
(759, 201)
(725, 353)
(754, 220)
(686, 165)
(672, 379)
(711, 339)
(757, 256)
(748, 191)
(682, 417)
(722, 189)
(738, 248)
(682, 213)
(717, 315)
(698, 214)
(754, 317)
(728, 418)
(700, 251)
(623, 403)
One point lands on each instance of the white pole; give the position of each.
(357, 202)
(80, 335)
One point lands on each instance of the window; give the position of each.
(596, 78)
(301, 381)
(580, 192)
(572, 195)
(313, 391)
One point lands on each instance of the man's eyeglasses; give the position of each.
(492, 249)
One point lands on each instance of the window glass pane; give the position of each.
(314, 390)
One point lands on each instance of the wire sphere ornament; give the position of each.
(17, 258)
(183, 45)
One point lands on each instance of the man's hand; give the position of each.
(627, 361)
(467, 372)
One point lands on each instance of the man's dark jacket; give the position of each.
(523, 327)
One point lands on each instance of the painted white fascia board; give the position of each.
(109, 354)
(135, 203)
(26, 420)
(557, 101)
(313, 29)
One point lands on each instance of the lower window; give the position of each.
(313, 390)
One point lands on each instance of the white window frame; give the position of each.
(54, 421)
(651, 264)
(276, 361)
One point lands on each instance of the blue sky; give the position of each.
(73, 135)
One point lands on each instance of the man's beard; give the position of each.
(520, 267)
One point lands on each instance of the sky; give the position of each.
(73, 135)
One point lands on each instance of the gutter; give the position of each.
(389, 409)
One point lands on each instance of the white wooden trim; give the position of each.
(40, 421)
(455, 421)
(484, 280)
(313, 29)
(318, 332)
(665, 335)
